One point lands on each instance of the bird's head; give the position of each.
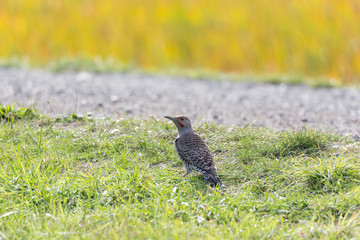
(181, 122)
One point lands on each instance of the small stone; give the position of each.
(114, 98)
(83, 77)
(356, 137)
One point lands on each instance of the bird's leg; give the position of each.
(187, 172)
(188, 169)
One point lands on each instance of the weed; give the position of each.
(72, 118)
(9, 113)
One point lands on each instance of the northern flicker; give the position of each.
(193, 151)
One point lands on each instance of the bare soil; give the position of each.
(117, 95)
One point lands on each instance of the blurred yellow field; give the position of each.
(315, 38)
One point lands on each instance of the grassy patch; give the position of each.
(109, 65)
(302, 142)
(97, 65)
(331, 175)
(13, 62)
(91, 179)
(9, 113)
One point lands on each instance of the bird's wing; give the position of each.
(180, 153)
(193, 149)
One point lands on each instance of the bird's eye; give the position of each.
(182, 119)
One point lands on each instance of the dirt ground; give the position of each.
(140, 95)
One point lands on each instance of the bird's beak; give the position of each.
(171, 118)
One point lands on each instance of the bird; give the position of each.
(193, 151)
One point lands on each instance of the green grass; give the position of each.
(108, 65)
(80, 178)
(14, 62)
(81, 63)
(96, 65)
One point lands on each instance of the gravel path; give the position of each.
(276, 106)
